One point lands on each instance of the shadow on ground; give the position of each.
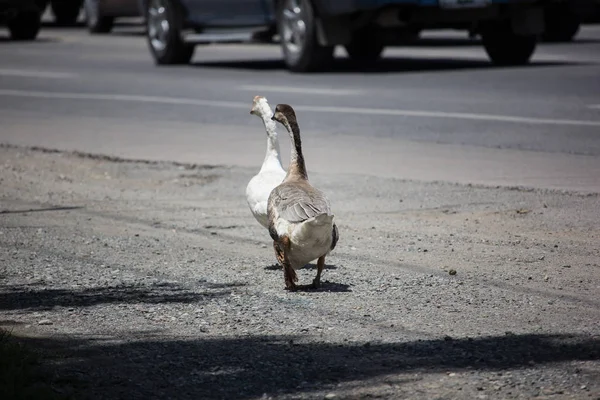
(7, 40)
(249, 367)
(385, 65)
(36, 297)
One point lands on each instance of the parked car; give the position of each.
(101, 14)
(562, 19)
(21, 17)
(310, 29)
(65, 12)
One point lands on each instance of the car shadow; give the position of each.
(384, 66)
(52, 24)
(44, 39)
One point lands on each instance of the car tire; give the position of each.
(300, 46)
(561, 23)
(364, 46)
(25, 25)
(66, 11)
(166, 45)
(95, 22)
(504, 47)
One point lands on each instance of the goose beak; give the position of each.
(273, 118)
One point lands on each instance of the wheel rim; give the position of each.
(293, 25)
(158, 25)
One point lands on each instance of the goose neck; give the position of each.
(297, 167)
(272, 157)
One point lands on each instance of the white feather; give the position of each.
(271, 172)
(309, 239)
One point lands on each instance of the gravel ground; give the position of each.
(144, 280)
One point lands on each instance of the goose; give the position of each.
(271, 173)
(300, 218)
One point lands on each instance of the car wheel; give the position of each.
(504, 47)
(163, 21)
(364, 46)
(97, 23)
(297, 30)
(25, 25)
(66, 11)
(561, 23)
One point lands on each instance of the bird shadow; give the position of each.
(273, 267)
(325, 286)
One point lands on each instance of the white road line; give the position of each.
(326, 109)
(291, 89)
(36, 74)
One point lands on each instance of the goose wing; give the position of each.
(296, 203)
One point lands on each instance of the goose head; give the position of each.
(284, 114)
(260, 107)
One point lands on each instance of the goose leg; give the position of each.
(290, 276)
(278, 253)
(289, 273)
(320, 264)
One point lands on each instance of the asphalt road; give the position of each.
(436, 111)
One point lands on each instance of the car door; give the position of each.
(227, 13)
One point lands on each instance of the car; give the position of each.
(562, 19)
(308, 30)
(101, 14)
(21, 17)
(65, 12)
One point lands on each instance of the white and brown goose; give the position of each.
(271, 172)
(300, 218)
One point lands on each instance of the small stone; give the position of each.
(330, 396)
(452, 272)
(541, 258)
(264, 246)
(546, 278)
(566, 266)
(45, 322)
